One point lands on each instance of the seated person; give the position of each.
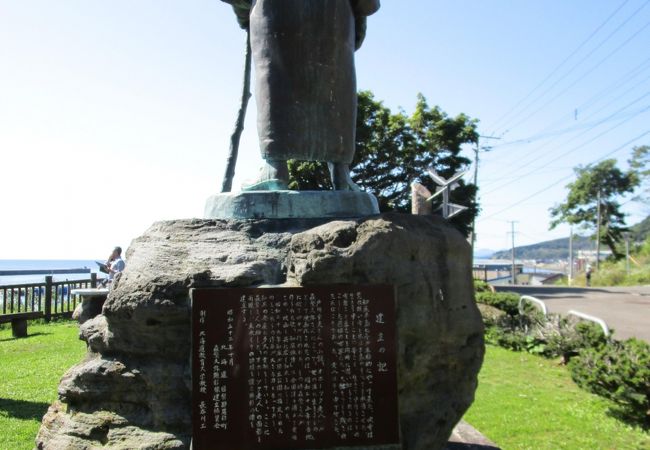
(114, 265)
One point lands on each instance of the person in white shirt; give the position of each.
(115, 263)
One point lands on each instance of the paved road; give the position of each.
(625, 309)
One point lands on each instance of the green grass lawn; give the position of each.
(523, 401)
(30, 370)
(527, 402)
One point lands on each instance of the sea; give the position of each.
(45, 264)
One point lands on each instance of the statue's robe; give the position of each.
(303, 54)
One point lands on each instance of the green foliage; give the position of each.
(620, 372)
(580, 208)
(564, 338)
(482, 286)
(552, 336)
(615, 273)
(527, 402)
(591, 335)
(514, 339)
(640, 164)
(617, 370)
(641, 231)
(505, 301)
(393, 150)
(644, 249)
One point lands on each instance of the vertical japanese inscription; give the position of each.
(293, 368)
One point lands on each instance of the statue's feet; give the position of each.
(274, 176)
(340, 176)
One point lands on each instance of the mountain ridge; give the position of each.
(559, 248)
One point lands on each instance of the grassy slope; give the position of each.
(30, 370)
(614, 273)
(527, 402)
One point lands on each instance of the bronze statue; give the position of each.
(303, 53)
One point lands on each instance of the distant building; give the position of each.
(586, 257)
(498, 272)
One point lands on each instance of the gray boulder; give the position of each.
(133, 388)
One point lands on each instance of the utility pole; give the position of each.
(476, 159)
(598, 232)
(570, 255)
(514, 274)
(627, 253)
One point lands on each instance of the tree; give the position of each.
(605, 182)
(393, 150)
(640, 164)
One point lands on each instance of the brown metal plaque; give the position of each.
(294, 368)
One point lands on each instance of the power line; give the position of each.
(493, 180)
(586, 125)
(610, 90)
(584, 75)
(618, 97)
(543, 94)
(646, 108)
(563, 178)
(554, 71)
(563, 154)
(622, 81)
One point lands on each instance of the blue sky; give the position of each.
(117, 114)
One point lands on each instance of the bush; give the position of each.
(621, 372)
(482, 286)
(639, 277)
(505, 301)
(551, 336)
(591, 335)
(644, 249)
(566, 338)
(616, 370)
(513, 332)
(613, 276)
(515, 338)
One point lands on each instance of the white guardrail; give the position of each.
(535, 301)
(594, 319)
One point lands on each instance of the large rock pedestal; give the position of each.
(133, 389)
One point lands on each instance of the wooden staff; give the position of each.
(239, 124)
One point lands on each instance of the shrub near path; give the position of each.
(524, 401)
(616, 370)
(30, 371)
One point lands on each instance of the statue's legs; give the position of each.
(273, 176)
(340, 176)
(305, 91)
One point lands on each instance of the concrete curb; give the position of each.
(466, 437)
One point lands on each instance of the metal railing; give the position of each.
(50, 298)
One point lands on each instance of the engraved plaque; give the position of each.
(294, 368)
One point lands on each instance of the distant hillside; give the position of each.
(559, 248)
(641, 230)
(548, 250)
